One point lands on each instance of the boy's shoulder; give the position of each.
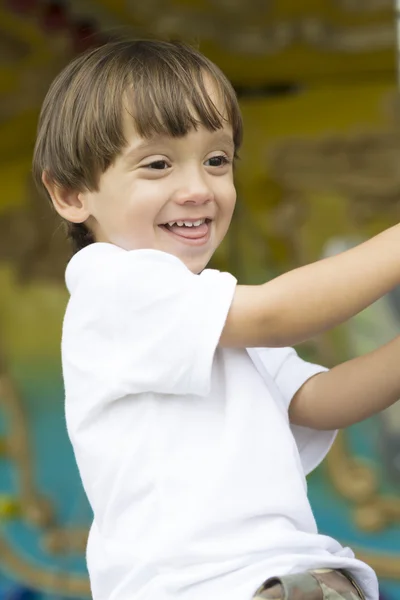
(103, 262)
(92, 260)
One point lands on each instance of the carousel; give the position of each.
(318, 172)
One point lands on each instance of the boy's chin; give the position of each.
(195, 264)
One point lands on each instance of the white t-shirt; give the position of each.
(196, 480)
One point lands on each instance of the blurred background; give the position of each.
(319, 172)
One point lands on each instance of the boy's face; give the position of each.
(171, 194)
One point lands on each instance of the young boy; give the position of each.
(192, 435)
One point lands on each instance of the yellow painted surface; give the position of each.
(299, 62)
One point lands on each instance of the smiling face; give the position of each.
(171, 194)
(135, 147)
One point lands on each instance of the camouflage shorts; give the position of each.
(323, 584)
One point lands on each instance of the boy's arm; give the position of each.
(308, 300)
(350, 392)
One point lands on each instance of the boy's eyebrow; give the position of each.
(143, 145)
(222, 137)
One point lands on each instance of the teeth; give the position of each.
(187, 223)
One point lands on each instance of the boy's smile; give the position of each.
(190, 231)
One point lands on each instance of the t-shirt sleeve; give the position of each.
(155, 325)
(289, 372)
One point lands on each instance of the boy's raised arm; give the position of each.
(308, 300)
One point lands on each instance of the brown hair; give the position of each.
(80, 131)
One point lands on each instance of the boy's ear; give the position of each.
(68, 203)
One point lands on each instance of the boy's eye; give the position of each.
(218, 161)
(159, 165)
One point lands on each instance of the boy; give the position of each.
(192, 436)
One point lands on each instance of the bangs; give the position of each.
(173, 102)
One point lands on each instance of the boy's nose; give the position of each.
(194, 191)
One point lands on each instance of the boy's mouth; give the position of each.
(190, 229)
